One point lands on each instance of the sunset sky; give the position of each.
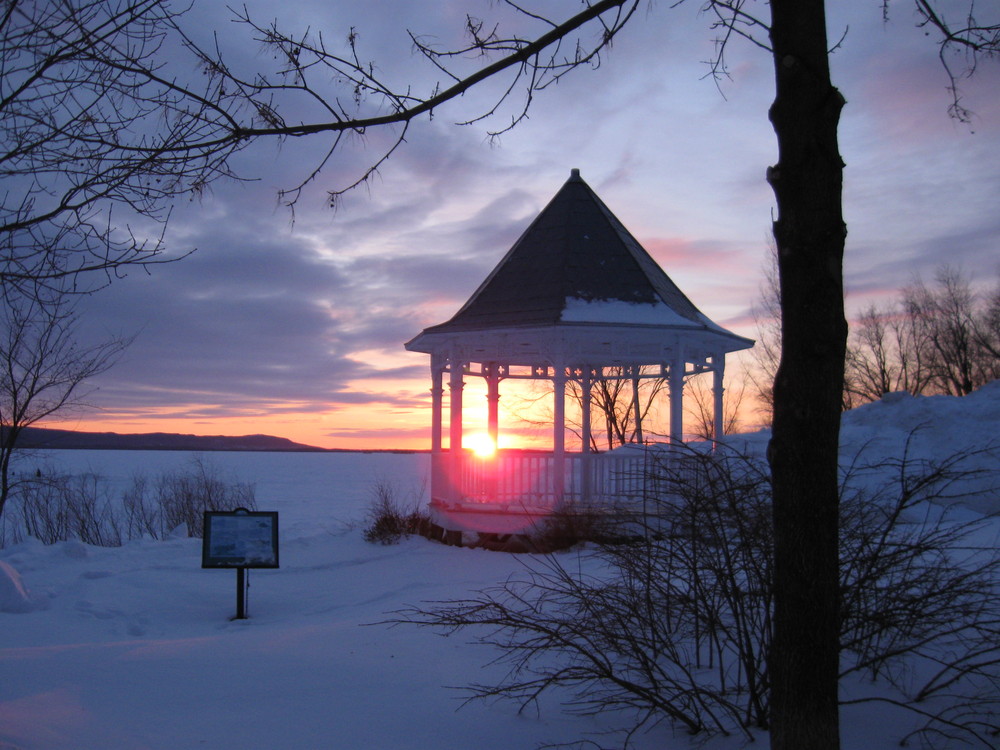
(294, 325)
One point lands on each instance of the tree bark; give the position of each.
(809, 232)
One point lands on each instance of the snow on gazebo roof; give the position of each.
(577, 265)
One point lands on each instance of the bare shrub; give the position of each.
(921, 601)
(183, 497)
(676, 625)
(143, 515)
(37, 510)
(671, 626)
(54, 507)
(565, 528)
(59, 507)
(389, 518)
(92, 511)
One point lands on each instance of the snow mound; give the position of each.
(14, 597)
(929, 425)
(933, 430)
(918, 431)
(969, 419)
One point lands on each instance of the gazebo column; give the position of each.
(493, 403)
(636, 410)
(585, 483)
(559, 434)
(455, 386)
(437, 408)
(677, 400)
(718, 371)
(492, 372)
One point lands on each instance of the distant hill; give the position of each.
(37, 437)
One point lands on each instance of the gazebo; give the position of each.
(576, 299)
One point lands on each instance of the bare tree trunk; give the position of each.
(810, 233)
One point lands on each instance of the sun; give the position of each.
(481, 445)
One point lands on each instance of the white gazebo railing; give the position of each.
(514, 480)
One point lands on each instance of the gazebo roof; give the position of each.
(577, 266)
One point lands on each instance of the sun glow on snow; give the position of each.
(481, 445)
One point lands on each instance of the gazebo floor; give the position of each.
(524, 529)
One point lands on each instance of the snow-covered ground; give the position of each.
(133, 647)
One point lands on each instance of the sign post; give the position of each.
(241, 587)
(240, 539)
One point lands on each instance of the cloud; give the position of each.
(305, 312)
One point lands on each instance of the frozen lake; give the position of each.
(309, 490)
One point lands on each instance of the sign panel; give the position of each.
(240, 539)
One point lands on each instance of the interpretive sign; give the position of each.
(240, 539)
